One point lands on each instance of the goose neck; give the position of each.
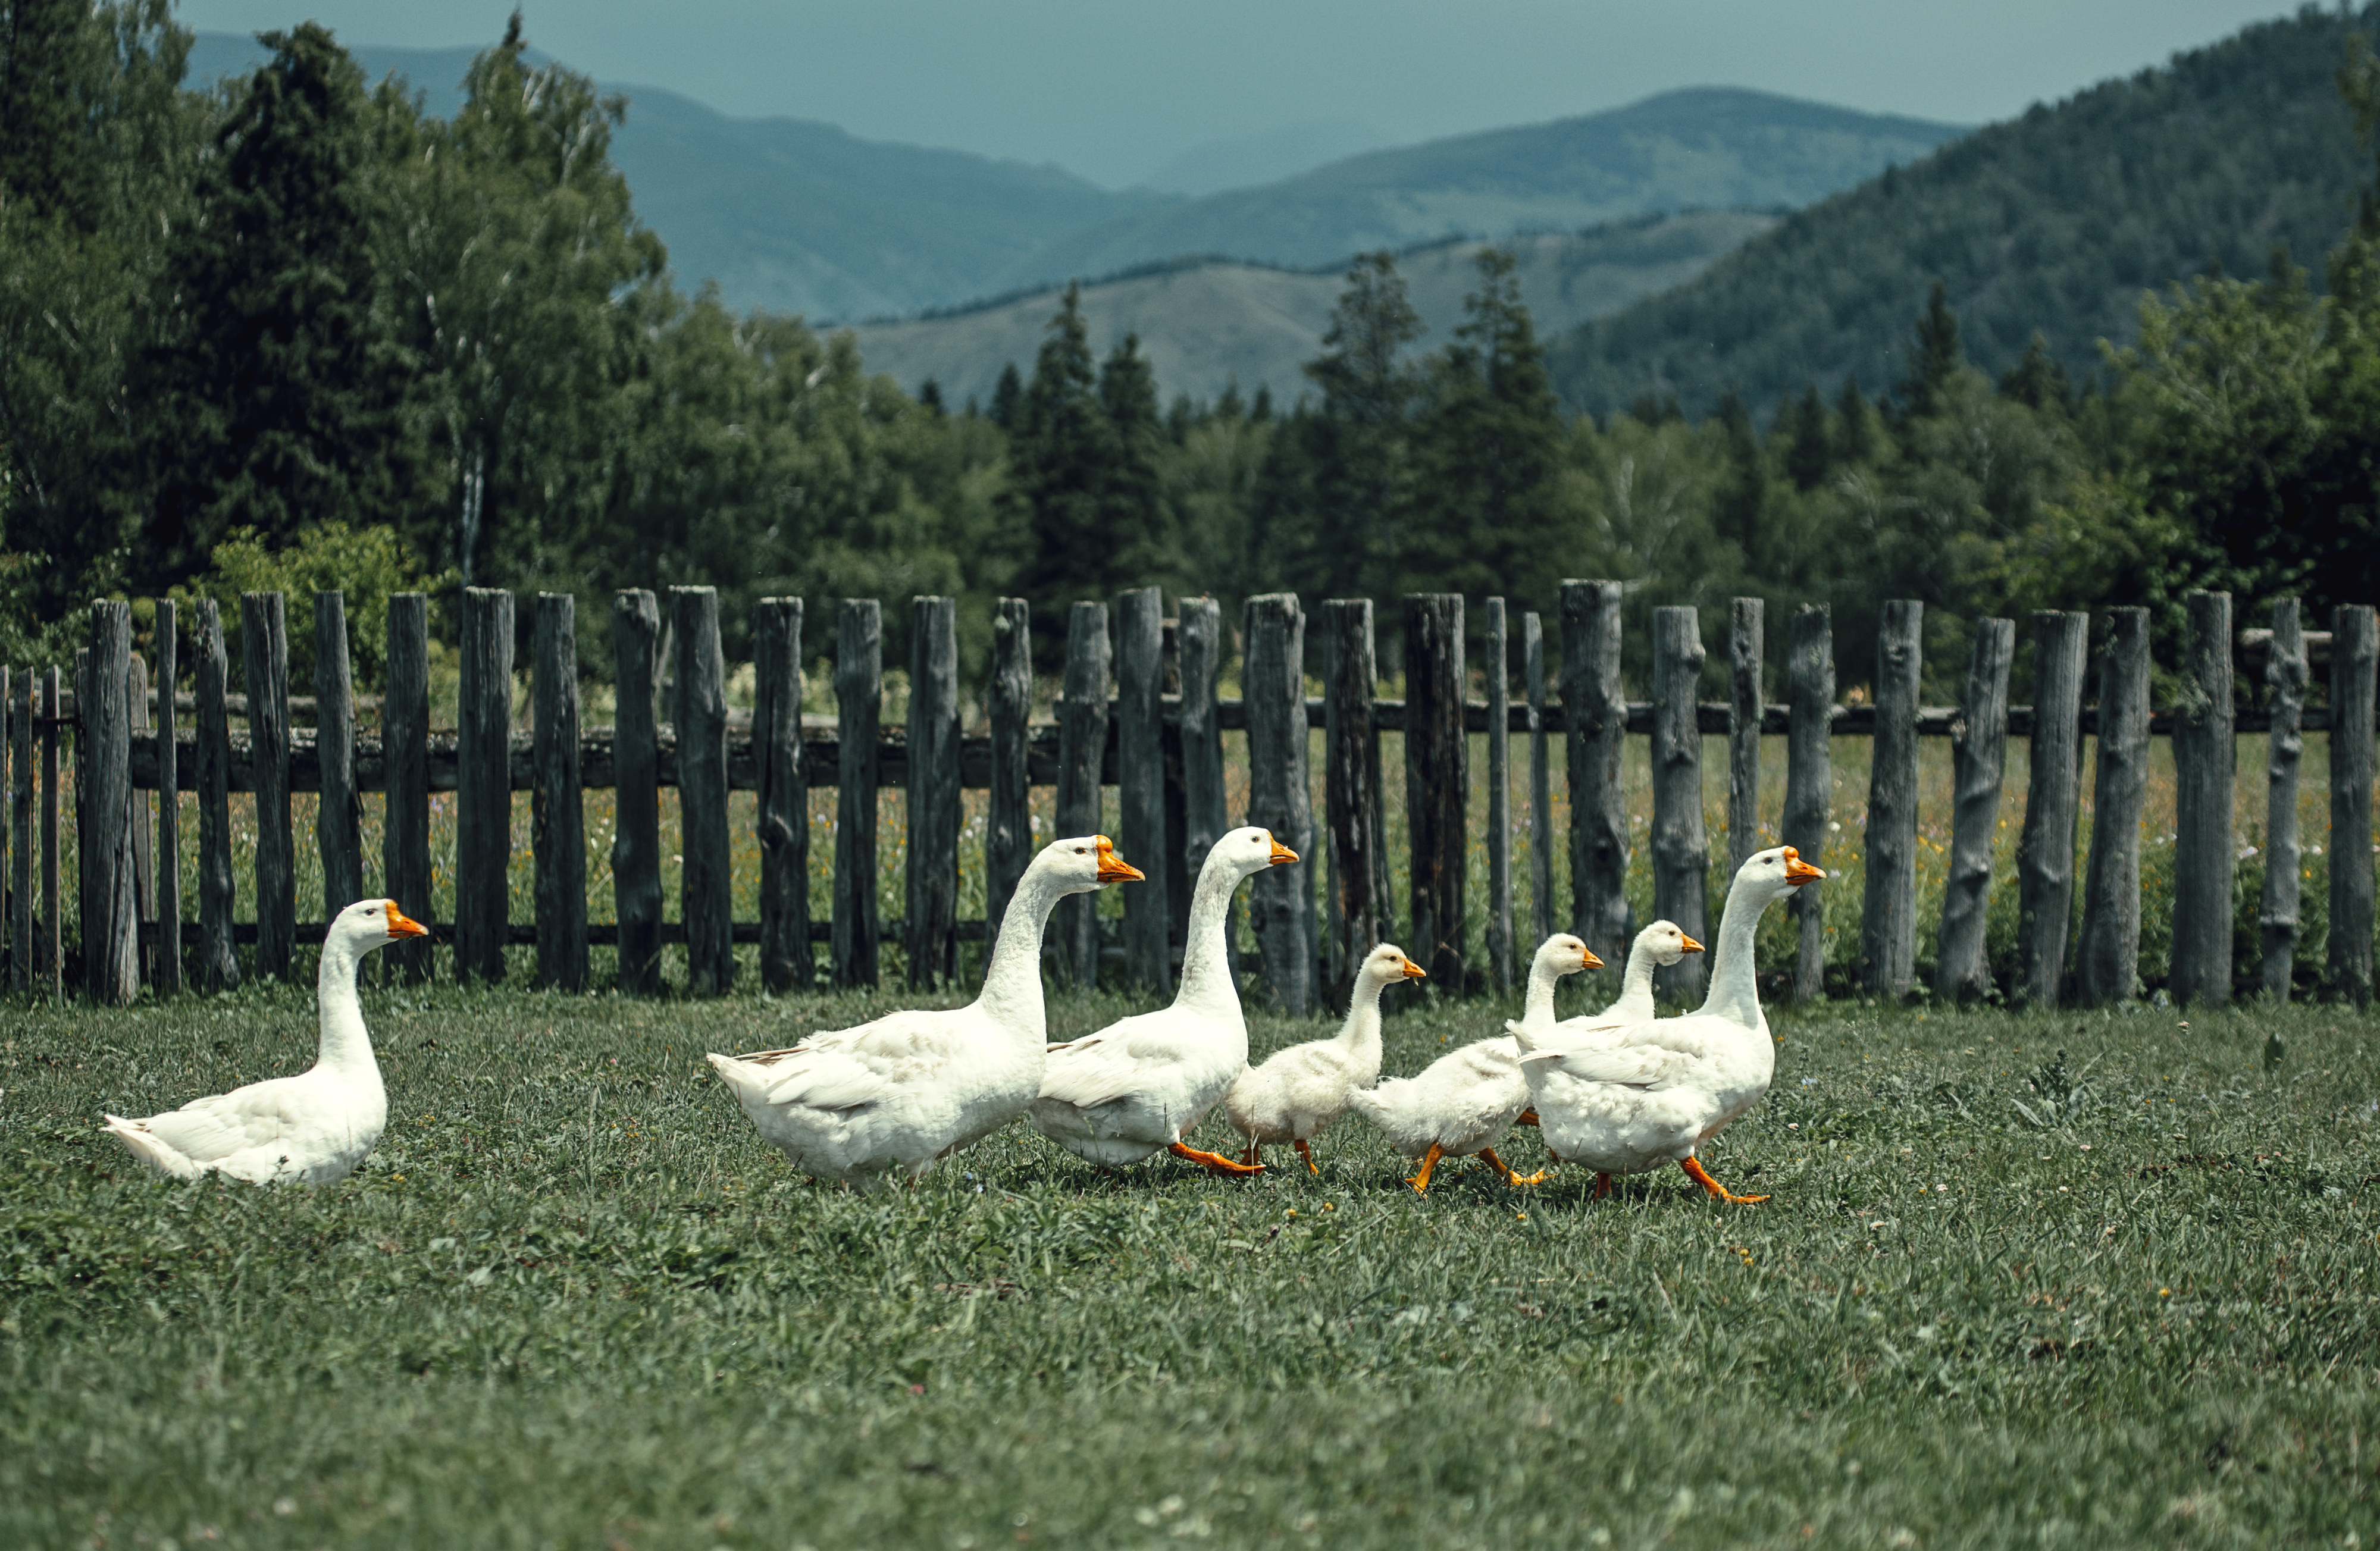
(344, 1040)
(1012, 982)
(1205, 955)
(1361, 1036)
(1734, 991)
(1538, 1012)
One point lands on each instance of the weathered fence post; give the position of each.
(1008, 822)
(2107, 955)
(166, 971)
(1889, 913)
(707, 899)
(1280, 904)
(1680, 850)
(265, 653)
(1809, 781)
(111, 928)
(85, 857)
(21, 899)
(1351, 791)
(54, 950)
(2203, 762)
(1140, 782)
(2045, 858)
(338, 817)
(144, 878)
(1500, 801)
(557, 821)
(783, 808)
(1541, 789)
(1204, 813)
(1747, 622)
(2353, 654)
(11, 828)
(1082, 747)
(218, 889)
(933, 806)
(404, 750)
(2285, 682)
(483, 786)
(1438, 784)
(1979, 750)
(636, 778)
(1595, 713)
(859, 707)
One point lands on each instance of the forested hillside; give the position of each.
(1206, 324)
(1707, 148)
(2052, 224)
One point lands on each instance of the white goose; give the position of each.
(313, 1128)
(914, 1086)
(1657, 947)
(1461, 1103)
(1139, 1085)
(1622, 1100)
(1299, 1090)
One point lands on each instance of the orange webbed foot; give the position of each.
(1526, 1116)
(1307, 1153)
(1215, 1161)
(1701, 1176)
(1510, 1178)
(1420, 1182)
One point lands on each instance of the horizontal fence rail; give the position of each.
(1139, 714)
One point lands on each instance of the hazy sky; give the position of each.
(1114, 89)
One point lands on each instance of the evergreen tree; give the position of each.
(280, 387)
(1007, 398)
(1493, 439)
(1132, 513)
(1935, 361)
(2038, 380)
(1808, 455)
(1351, 541)
(1744, 492)
(929, 396)
(1855, 438)
(1057, 478)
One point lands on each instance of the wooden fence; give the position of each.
(1148, 721)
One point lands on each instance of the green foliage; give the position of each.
(573, 1298)
(278, 387)
(367, 564)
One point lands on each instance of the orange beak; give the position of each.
(1282, 854)
(1690, 945)
(1415, 971)
(1586, 956)
(402, 925)
(1114, 868)
(1798, 871)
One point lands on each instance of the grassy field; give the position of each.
(573, 1302)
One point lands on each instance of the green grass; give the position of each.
(573, 1301)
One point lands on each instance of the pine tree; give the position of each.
(1132, 510)
(280, 388)
(2038, 381)
(1360, 447)
(1855, 437)
(1745, 493)
(1058, 479)
(1493, 446)
(1007, 398)
(1807, 455)
(1936, 360)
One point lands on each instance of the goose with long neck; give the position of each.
(311, 1129)
(1138, 1086)
(1625, 1098)
(1462, 1104)
(1657, 947)
(1301, 1089)
(859, 1104)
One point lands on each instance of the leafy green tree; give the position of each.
(279, 386)
(96, 148)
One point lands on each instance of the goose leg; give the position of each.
(1420, 1182)
(1504, 1168)
(1526, 1116)
(1602, 1186)
(1215, 1161)
(1249, 1154)
(1308, 1157)
(1694, 1171)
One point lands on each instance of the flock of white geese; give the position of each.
(1618, 1092)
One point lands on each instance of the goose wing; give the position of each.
(1648, 1055)
(207, 1130)
(844, 1069)
(1118, 1060)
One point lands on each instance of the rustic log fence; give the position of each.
(1150, 722)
